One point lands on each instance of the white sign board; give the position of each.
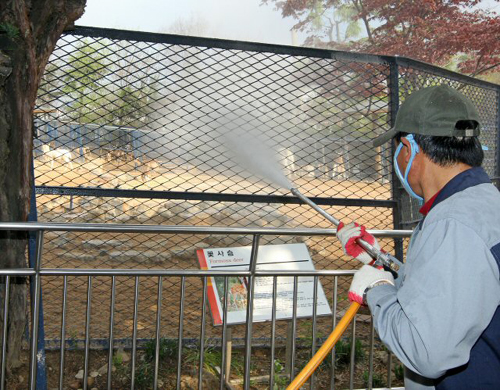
(290, 257)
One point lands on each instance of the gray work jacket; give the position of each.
(442, 319)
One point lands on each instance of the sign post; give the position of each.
(289, 257)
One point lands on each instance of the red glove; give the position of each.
(347, 235)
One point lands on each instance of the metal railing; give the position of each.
(39, 272)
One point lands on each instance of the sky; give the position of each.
(244, 20)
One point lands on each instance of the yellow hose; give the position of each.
(325, 348)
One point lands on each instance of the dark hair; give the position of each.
(446, 151)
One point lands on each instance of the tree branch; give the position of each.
(358, 4)
(484, 70)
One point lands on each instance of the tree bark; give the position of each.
(29, 32)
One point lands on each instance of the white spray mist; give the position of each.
(248, 148)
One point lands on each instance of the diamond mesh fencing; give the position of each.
(414, 76)
(130, 130)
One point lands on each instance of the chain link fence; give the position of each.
(129, 129)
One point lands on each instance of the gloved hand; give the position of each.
(366, 278)
(347, 234)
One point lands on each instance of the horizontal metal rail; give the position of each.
(178, 229)
(223, 44)
(207, 196)
(277, 49)
(163, 272)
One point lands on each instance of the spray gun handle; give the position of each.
(388, 261)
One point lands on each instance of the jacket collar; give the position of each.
(469, 178)
(424, 210)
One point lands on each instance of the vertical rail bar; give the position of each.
(223, 379)
(370, 356)
(111, 329)
(249, 323)
(36, 312)
(389, 369)
(294, 327)
(87, 333)
(4, 333)
(353, 355)
(314, 315)
(35, 257)
(202, 334)
(273, 332)
(181, 331)
(334, 324)
(63, 332)
(158, 331)
(134, 333)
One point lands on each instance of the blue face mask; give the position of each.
(404, 179)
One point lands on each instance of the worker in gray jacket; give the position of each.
(441, 315)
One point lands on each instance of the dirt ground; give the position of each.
(260, 368)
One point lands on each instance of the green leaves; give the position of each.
(97, 87)
(10, 30)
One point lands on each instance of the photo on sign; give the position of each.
(237, 292)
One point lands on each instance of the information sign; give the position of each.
(290, 257)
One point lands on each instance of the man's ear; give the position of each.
(406, 149)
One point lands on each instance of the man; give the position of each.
(441, 315)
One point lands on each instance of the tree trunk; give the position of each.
(28, 34)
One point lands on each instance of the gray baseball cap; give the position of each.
(433, 111)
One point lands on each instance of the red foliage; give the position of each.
(428, 30)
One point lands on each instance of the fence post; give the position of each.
(136, 147)
(249, 323)
(393, 84)
(76, 138)
(41, 375)
(395, 187)
(52, 133)
(497, 159)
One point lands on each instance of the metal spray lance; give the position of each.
(389, 262)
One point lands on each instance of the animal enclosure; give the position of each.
(129, 131)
